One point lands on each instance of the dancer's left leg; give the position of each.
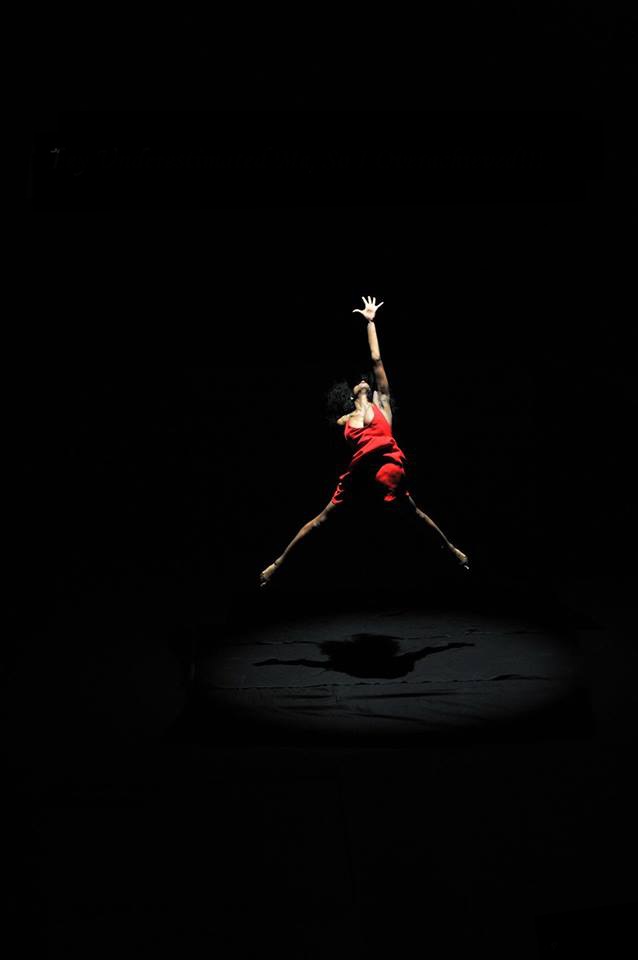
(314, 524)
(411, 509)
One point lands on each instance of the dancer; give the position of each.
(378, 463)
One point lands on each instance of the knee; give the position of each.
(413, 511)
(321, 518)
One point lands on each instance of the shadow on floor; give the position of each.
(366, 655)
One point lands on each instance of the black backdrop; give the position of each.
(211, 196)
(207, 202)
(173, 429)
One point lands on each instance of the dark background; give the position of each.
(205, 206)
(179, 357)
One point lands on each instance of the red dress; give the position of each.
(377, 458)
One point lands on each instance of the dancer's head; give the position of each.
(362, 388)
(340, 398)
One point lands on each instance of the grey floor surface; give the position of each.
(141, 825)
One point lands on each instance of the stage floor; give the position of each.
(392, 674)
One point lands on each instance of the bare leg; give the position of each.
(445, 543)
(314, 524)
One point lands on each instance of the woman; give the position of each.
(378, 463)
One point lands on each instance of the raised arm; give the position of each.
(369, 311)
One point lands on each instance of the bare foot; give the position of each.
(461, 557)
(266, 574)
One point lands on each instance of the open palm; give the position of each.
(370, 307)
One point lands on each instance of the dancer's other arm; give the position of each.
(383, 387)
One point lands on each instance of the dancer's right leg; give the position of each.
(307, 528)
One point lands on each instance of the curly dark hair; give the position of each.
(339, 399)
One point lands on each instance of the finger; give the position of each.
(374, 300)
(364, 301)
(357, 311)
(380, 304)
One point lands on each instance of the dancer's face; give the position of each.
(362, 386)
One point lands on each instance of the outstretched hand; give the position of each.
(370, 307)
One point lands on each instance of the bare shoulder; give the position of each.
(343, 419)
